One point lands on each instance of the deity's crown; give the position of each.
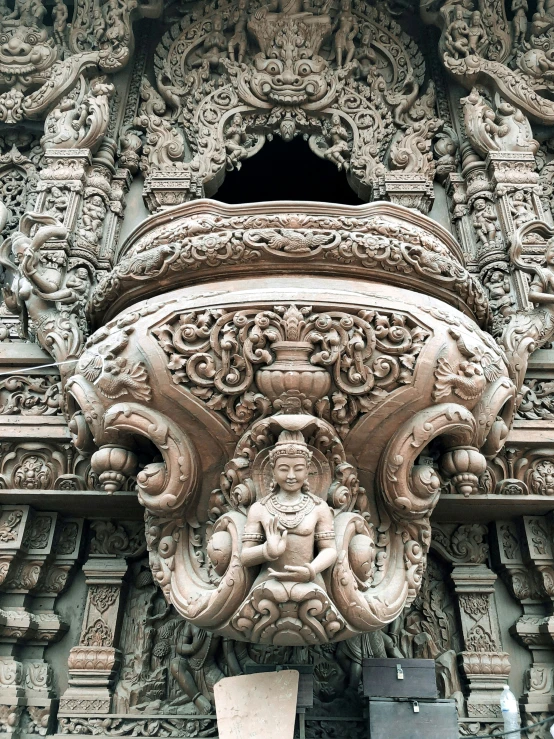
(290, 444)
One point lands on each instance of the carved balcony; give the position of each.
(232, 337)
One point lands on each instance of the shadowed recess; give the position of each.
(286, 171)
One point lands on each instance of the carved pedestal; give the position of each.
(524, 555)
(238, 364)
(37, 552)
(484, 664)
(93, 663)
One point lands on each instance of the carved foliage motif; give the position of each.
(97, 634)
(235, 361)
(383, 246)
(103, 596)
(237, 73)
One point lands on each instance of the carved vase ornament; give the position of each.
(304, 426)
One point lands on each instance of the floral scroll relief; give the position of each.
(218, 354)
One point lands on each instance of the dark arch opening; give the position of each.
(286, 171)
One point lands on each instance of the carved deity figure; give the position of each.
(364, 55)
(347, 29)
(238, 42)
(484, 222)
(235, 139)
(284, 528)
(477, 36)
(457, 35)
(196, 670)
(339, 144)
(214, 46)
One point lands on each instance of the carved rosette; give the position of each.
(396, 394)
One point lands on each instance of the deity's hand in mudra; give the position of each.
(275, 538)
(294, 573)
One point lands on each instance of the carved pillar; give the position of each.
(484, 664)
(517, 192)
(37, 551)
(96, 218)
(94, 662)
(524, 554)
(62, 183)
(486, 667)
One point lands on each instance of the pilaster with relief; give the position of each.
(38, 550)
(523, 554)
(485, 665)
(93, 663)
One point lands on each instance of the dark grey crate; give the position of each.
(381, 678)
(389, 719)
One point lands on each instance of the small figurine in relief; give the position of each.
(235, 138)
(57, 203)
(545, 7)
(59, 17)
(520, 8)
(346, 33)
(283, 528)
(215, 45)
(501, 299)
(457, 35)
(519, 208)
(195, 669)
(93, 216)
(484, 222)
(239, 41)
(365, 55)
(291, 8)
(339, 144)
(98, 24)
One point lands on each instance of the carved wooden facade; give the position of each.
(284, 432)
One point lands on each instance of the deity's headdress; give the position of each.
(290, 444)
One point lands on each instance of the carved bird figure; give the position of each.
(120, 377)
(468, 382)
(491, 365)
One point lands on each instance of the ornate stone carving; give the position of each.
(240, 363)
(346, 78)
(293, 371)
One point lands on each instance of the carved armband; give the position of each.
(253, 537)
(324, 535)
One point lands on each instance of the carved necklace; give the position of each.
(291, 515)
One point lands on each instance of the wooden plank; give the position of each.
(260, 706)
(83, 503)
(487, 508)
